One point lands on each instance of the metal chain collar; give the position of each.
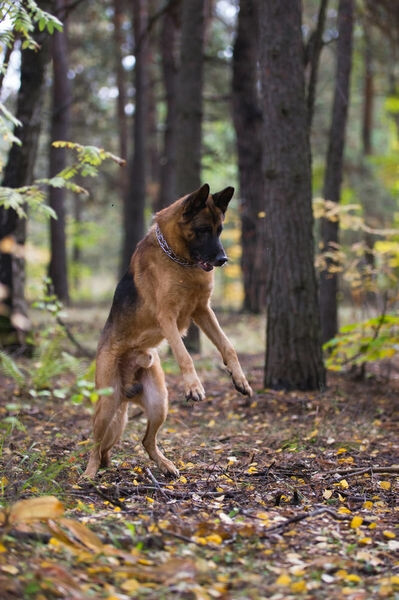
(169, 252)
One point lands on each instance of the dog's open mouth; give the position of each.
(206, 266)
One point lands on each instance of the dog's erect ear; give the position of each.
(195, 202)
(222, 199)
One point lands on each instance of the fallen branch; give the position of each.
(361, 470)
(308, 515)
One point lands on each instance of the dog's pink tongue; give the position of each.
(205, 266)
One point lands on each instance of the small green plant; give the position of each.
(45, 374)
(359, 343)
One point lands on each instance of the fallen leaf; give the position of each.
(36, 509)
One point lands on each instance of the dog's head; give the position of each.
(201, 224)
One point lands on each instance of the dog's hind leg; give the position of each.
(110, 416)
(155, 403)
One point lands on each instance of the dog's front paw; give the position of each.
(241, 384)
(194, 391)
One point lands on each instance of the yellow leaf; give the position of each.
(365, 540)
(372, 525)
(283, 579)
(343, 510)
(263, 515)
(211, 423)
(356, 522)
(394, 579)
(368, 504)
(252, 469)
(213, 538)
(298, 586)
(327, 494)
(150, 500)
(389, 534)
(36, 509)
(130, 585)
(83, 534)
(3, 481)
(182, 479)
(343, 484)
(385, 485)
(353, 578)
(341, 450)
(2, 548)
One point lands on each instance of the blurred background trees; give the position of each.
(118, 86)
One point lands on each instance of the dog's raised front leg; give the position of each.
(192, 386)
(207, 321)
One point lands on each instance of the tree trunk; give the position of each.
(334, 170)
(189, 113)
(167, 192)
(313, 52)
(248, 123)
(61, 101)
(293, 347)
(6, 60)
(19, 172)
(120, 82)
(135, 196)
(368, 94)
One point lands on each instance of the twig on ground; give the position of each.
(302, 516)
(83, 351)
(156, 482)
(361, 471)
(111, 500)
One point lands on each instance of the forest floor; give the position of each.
(285, 495)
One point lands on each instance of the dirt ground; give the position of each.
(281, 496)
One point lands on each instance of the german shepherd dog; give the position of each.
(168, 283)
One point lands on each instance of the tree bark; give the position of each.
(19, 172)
(136, 193)
(120, 81)
(169, 31)
(313, 52)
(368, 94)
(189, 113)
(61, 101)
(334, 170)
(293, 346)
(248, 123)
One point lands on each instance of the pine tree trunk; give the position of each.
(189, 114)
(120, 82)
(293, 348)
(167, 192)
(136, 193)
(313, 53)
(19, 172)
(248, 123)
(368, 94)
(334, 169)
(61, 101)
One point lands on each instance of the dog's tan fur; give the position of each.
(168, 297)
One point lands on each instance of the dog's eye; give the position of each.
(219, 230)
(203, 231)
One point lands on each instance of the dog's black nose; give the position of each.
(220, 260)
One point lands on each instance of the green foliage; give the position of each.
(46, 373)
(88, 159)
(10, 369)
(358, 343)
(20, 19)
